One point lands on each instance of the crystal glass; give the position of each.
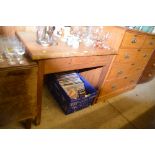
(44, 35)
(13, 50)
(1, 49)
(1, 57)
(105, 39)
(19, 52)
(9, 51)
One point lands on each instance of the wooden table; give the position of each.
(61, 57)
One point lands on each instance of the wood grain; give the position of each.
(129, 63)
(17, 94)
(74, 63)
(38, 52)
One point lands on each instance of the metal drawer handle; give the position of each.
(133, 40)
(120, 72)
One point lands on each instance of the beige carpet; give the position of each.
(134, 109)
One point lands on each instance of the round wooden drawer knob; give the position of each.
(153, 64)
(120, 72)
(149, 75)
(126, 56)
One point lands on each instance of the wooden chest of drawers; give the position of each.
(18, 85)
(149, 72)
(133, 55)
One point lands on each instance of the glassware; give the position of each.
(106, 37)
(13, 50)
(1, 50)
(44, 35)
(1, 57)
(19, 52)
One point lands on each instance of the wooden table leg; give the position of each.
(39, 90)
(28, 123)
(102, 77)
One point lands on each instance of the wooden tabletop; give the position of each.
(38, 52)
(27, 63)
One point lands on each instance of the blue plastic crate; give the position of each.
(67, 104)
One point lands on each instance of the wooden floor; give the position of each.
(134, 109)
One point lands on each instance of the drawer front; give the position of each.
(119, 71)
(18, 93)
(116, 85)
(90, 61)
(126, 55)
(132, 40)
(149, 42)
(66, 64)
(133, 79)
(113, 85)
(143, 56)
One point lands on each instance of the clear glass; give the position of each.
(19, 52)
(1, 57)
(1, 49)
(90, 36)
(13, 50)
(45, 35)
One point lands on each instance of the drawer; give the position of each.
(143, 56)
(18, 82)
(113, 85)
(133, 79)
(149, 42)
(96, 60)
(119, 70)
(119, 84)
(75, 63)
(126, 55)
(18, 94)
(81, 60)
(132, 40)
(101, 60)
